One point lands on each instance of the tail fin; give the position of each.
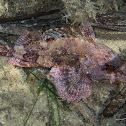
(6, 50)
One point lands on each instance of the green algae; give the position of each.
(52, 99)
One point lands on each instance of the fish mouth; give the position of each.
(116, 78)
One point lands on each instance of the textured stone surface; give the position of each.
(17, 8)
(17, 96)
(18, 89)
(76, 10)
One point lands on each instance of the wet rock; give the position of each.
(15, 8)
(16, 99)
(18, 89)
(17, 96)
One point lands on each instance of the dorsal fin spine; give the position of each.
(26, 38)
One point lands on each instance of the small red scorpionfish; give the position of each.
(75, 58)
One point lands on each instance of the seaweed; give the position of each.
(78, 11)
(52, 98)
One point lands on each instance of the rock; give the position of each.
(18, 89)
(21, 9)
(17, 96)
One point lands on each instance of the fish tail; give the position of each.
(6, 50)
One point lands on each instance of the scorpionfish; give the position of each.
(76, 59)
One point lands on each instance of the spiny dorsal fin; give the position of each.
(52, 34)
(87, 30)
(26, 38)
(71, 85)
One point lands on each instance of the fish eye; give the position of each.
(111, 66)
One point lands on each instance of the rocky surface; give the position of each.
(18, 87)
(18, 94)
(16, 8)
(77, 11)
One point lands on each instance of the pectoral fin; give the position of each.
(71, 84)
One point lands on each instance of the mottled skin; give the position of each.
(75, 60)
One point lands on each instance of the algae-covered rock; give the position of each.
(18, 95)
(79, 11)
(18, 88)
(16, 99)
(17, 8)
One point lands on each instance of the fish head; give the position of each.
(111, 72)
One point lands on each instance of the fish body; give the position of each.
(76, 59)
